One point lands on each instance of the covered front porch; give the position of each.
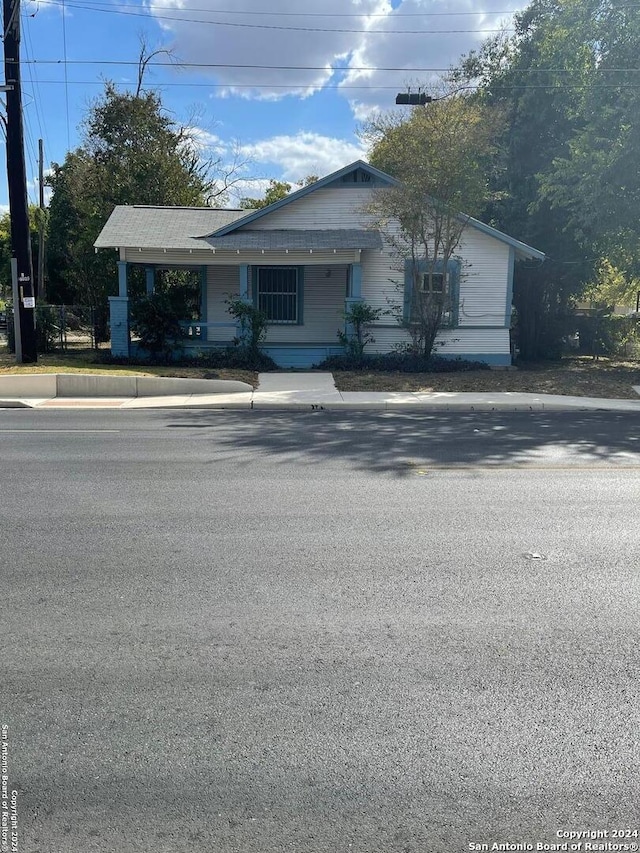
(305, 295)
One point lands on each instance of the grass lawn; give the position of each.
(580, 376)
(82, 361)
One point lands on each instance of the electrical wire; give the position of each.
(339, 87)
(35, 88)
(177, 64)
(385, 15)
(237, 24)
(66, 78)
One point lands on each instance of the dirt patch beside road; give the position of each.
(580, 377)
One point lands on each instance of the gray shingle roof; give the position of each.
(143, 227)
(162, 227)
(298, 239)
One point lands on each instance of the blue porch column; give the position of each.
(203, 294)
(119, 315)
(119, 322)
(122, 278)
(244, 282)
(354, 294)
(245, 295)
(150, 276)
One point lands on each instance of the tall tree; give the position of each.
(132, 153)
(596, 180)
(570, 146)
(442, 156)
(5, 248)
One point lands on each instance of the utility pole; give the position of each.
(24, 310)
(42, 290)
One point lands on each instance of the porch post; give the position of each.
(150, 274)
(203, 294)
(354, 294)
(355, 281)
(244, 282)
(244, 295)
(122, 278)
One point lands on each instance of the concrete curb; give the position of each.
(49, 385)
(99, 391)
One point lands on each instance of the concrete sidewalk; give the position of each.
(303, 391)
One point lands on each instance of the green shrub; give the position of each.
(359, 317)
(237, 356)
(608, 334)
(400, 362)
(252, 321)
(154, 321)
(47, 328)
(233, 357)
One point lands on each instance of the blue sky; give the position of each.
(317, 74)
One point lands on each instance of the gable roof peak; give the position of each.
(304, 191)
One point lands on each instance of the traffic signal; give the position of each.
(419, 99)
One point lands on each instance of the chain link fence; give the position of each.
(59, 328)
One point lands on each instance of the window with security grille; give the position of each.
(278, 293)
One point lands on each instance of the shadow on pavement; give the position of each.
(398, 442)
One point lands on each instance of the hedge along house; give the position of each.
(304, 261)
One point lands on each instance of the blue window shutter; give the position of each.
(453, 275)
(408, 290)
(300, 296)
(453, 268)
(253, 272)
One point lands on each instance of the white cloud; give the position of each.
(207, 142)
(435, 39)
(261, 38)
(369, 39)
(33, 188)
(304, 154)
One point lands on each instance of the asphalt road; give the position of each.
(316, 632)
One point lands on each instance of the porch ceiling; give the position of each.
(297, 240)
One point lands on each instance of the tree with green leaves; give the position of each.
(5, 249)
(276, 191)
(441, 156)
(132, 152)
(566, 83)
(612, 287)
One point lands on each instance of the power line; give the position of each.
(184, 19)
(35, 88)
(413, 70)
(467, 88)
(66, 79)
(305, 14)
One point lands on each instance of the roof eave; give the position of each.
(523, 250)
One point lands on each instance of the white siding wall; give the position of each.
(326, 208)
(323, 309)
(323, 304)
(484, 279)
(449, 342)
